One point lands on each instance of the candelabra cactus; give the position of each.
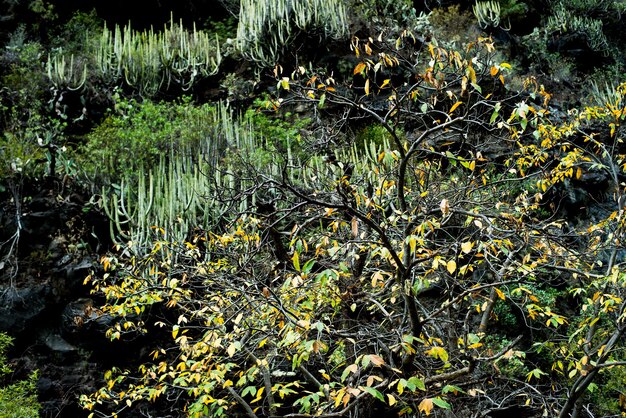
(148, 61)
(266, 26)
(487, 13)
(66, 74)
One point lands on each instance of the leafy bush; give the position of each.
(17, 400)
(563, 21)
(137, 134)
(453, 25)
(24, 86)
(573, 30)
(390, 15)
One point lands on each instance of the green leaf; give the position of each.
(441, 403)
(251, 390)
(308, 266)
(373, 392)
(322, 101)
(296, 261)
(523, 124)
(493, 117)
(416, 382)
(452, 388)
(351, 368)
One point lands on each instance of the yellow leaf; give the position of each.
(296, 260)
(472, 74)
(505, 65)
(500, 294)
(412, 243)
(579, 173)
(391, 399)
(258, 395)
(175, 329)
(376, 277)
(367, 87)
(231, 349)
(451, 266)
(382, 86)
(426, 406)
(494, 70)
(454, 106)
(359, 68)
(466, 247)
(438, 352)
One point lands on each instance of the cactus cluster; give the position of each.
(66, 74)
(148, 61)
(205, 186)
(487, 13)
(564, 21)
(195, 186)
(266, 26)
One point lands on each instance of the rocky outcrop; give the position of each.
(50, 246)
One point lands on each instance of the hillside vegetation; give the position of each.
(318, 208)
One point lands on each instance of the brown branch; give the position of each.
(463, 294)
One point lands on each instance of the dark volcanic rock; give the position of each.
(44, 304)
(21, 308)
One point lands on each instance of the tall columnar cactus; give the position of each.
(487, 13)
(194, 186)
(149, 61)
(66, 73)
(266, 26)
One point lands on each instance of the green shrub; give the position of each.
(573, 20)
(74, 35)
(278, 133)
(389, 14)
(563, 20)
(453, 25)
(138, 134)
(24, 85)
(17, 400)
(535, 45)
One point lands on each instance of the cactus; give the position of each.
(148, 60)
(487, 13)
(563, 21)
(183, 189)
(266, 26)
(66, 75)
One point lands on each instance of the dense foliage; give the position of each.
(18, 399)
(418, 226)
